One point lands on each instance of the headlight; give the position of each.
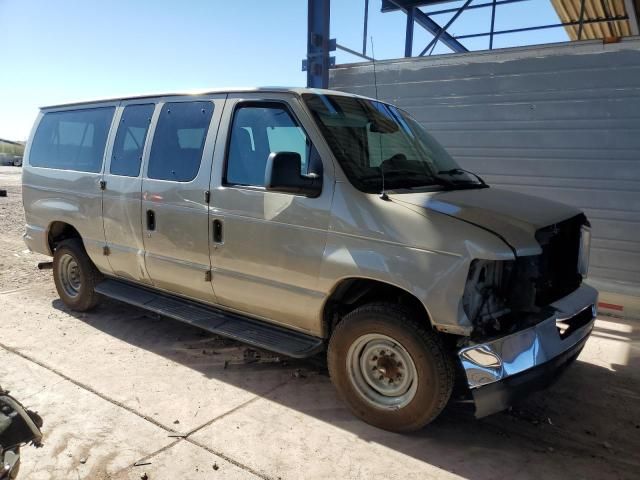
(585, 248)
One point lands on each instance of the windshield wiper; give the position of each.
(422, 180)
(461, 171)
(410, 179)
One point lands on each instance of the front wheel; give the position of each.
(390, 370)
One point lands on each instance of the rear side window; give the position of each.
(129, 143)
(178, 141)
(72, 140)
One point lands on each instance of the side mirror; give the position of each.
(283, 174)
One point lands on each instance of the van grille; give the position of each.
(558, 265)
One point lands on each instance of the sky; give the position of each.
(62, 51)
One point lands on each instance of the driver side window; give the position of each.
(256, 132)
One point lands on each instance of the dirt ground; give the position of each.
(125, 394)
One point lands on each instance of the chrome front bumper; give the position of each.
(529, 349)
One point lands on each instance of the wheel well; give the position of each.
(59, 231)
(351, 293)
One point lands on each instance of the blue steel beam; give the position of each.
(493, 24)
(476, 5)
(408, 42)
(364, 29)
(353, 52)
(580, 25)
(432, 27)
(619, 18)
(318, 61)
(392, 5)
(443, 30)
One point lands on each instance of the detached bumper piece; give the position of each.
(505, 369)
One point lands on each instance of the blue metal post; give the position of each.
(318, 15)
(581, 20)
(364, 30)
(493, 24)
(408, 43)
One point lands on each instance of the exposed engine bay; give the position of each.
(503, 296)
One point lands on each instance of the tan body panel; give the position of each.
(271, 256)
(121, 214)
(177, 251)
(282, 255)
(53, 195)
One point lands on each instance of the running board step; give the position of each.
(256, 333)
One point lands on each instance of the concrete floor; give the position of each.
(124, 393)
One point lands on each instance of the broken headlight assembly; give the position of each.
(484, 298)
(499, 295)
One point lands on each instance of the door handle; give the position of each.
(217, 231)
(151, 220)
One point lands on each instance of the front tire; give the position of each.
(75, 276)
(390, 370)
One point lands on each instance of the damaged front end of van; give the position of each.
(526, 316)
(531, 317)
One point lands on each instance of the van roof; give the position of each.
(295, 90)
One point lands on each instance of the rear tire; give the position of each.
(75, 276)
(390, 370)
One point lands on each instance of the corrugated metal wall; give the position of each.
(558, 121)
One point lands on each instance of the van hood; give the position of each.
(515, 217)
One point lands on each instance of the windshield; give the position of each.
(371, 139)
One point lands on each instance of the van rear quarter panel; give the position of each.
(51, 195)
(54, 195)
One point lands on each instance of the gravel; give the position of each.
(18, 266)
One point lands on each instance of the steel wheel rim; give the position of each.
(382, 371)
(69, 275)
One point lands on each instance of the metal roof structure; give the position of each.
(582, 20)
(570, 12)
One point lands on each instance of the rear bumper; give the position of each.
(504, 369)
(36, 239)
